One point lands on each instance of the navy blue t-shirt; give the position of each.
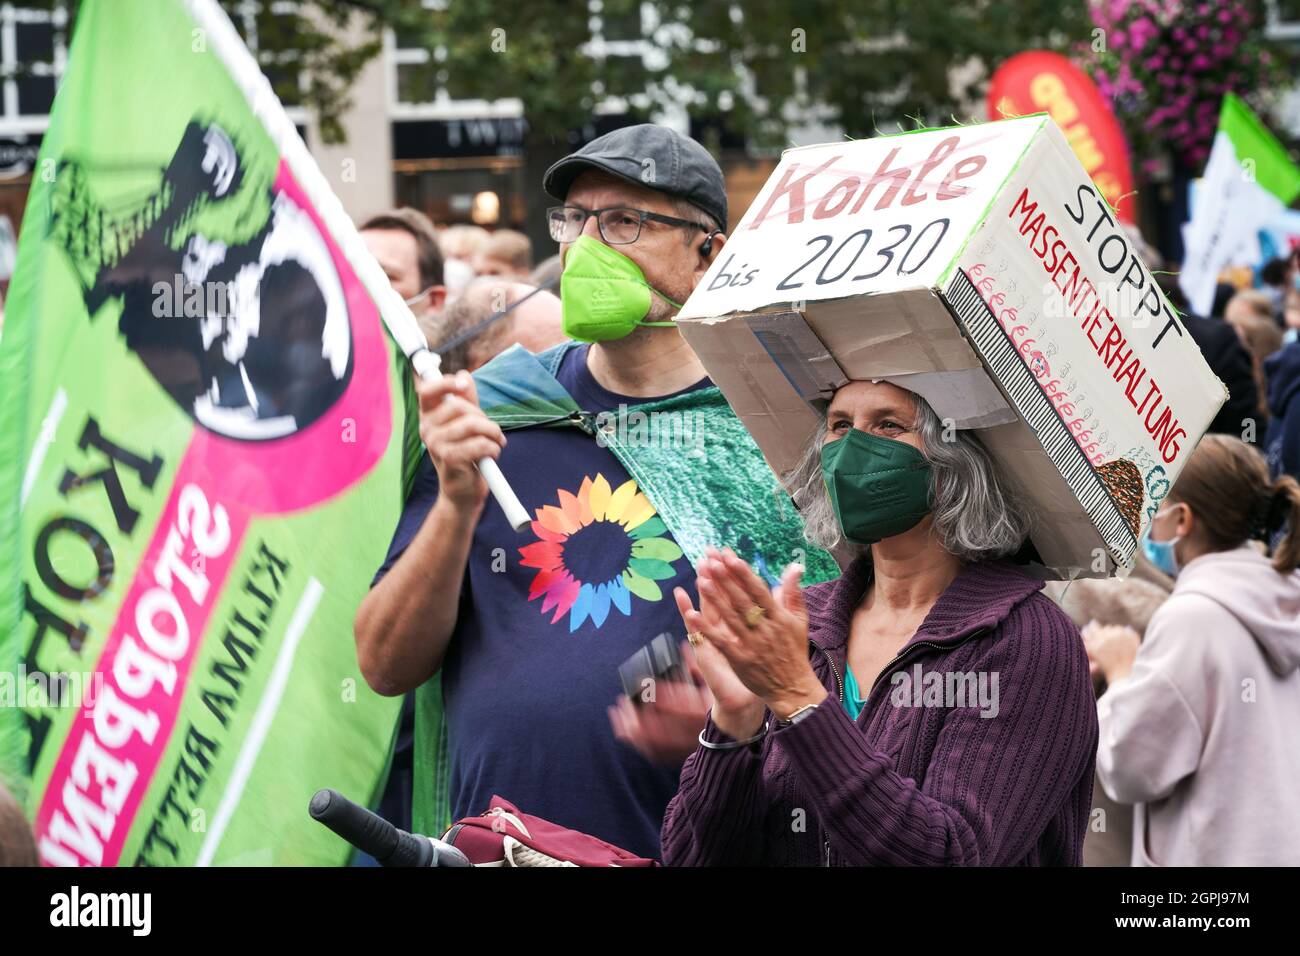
(546, 618)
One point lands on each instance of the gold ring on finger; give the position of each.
(754, 615)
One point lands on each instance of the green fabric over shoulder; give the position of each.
(707, 479)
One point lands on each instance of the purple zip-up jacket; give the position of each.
(907, 784)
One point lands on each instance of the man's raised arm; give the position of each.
(405, 623)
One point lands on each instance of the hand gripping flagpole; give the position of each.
(219, 33)
(426, 365)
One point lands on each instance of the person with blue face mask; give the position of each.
(406, 245)
(1164, 553)
(1198, 719)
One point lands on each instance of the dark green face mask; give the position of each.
(879, 487)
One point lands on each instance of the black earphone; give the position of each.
(706, 247)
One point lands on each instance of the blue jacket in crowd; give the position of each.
(1282, 441)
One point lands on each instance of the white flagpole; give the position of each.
(226, 44)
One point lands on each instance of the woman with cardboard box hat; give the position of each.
(929, 707)
(1198, 721)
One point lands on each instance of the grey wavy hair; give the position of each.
(977, 516)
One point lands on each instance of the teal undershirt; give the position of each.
(852, 702)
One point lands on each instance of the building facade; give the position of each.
(406, 143)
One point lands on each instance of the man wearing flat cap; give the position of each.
(515, 640)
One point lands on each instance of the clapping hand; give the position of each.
(754, 648)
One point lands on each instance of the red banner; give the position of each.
(1038, 82)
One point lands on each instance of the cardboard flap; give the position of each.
(980, 268)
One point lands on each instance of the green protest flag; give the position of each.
(1248, 181)
(202, 423)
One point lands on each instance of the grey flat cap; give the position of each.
(652, 156)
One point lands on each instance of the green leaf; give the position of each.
(642, 588)
(660, 548)
(650, 528)
(652, 568)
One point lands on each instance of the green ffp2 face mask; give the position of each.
(604, 294)
(879, 487)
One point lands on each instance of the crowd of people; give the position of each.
(466, 286)
(1143, 719)
(1147, 719)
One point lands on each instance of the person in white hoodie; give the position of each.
(1199, 722)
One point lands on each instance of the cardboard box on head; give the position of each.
(979, 267)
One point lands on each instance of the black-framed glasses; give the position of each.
(618, 225)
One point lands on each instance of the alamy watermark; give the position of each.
(22, 688)
(655, 429)
(946, 689)
(133, 911)
(185, 299)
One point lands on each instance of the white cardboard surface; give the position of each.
(981, 270)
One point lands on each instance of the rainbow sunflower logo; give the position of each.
(597, 549)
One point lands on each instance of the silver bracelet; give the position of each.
(735, 744)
